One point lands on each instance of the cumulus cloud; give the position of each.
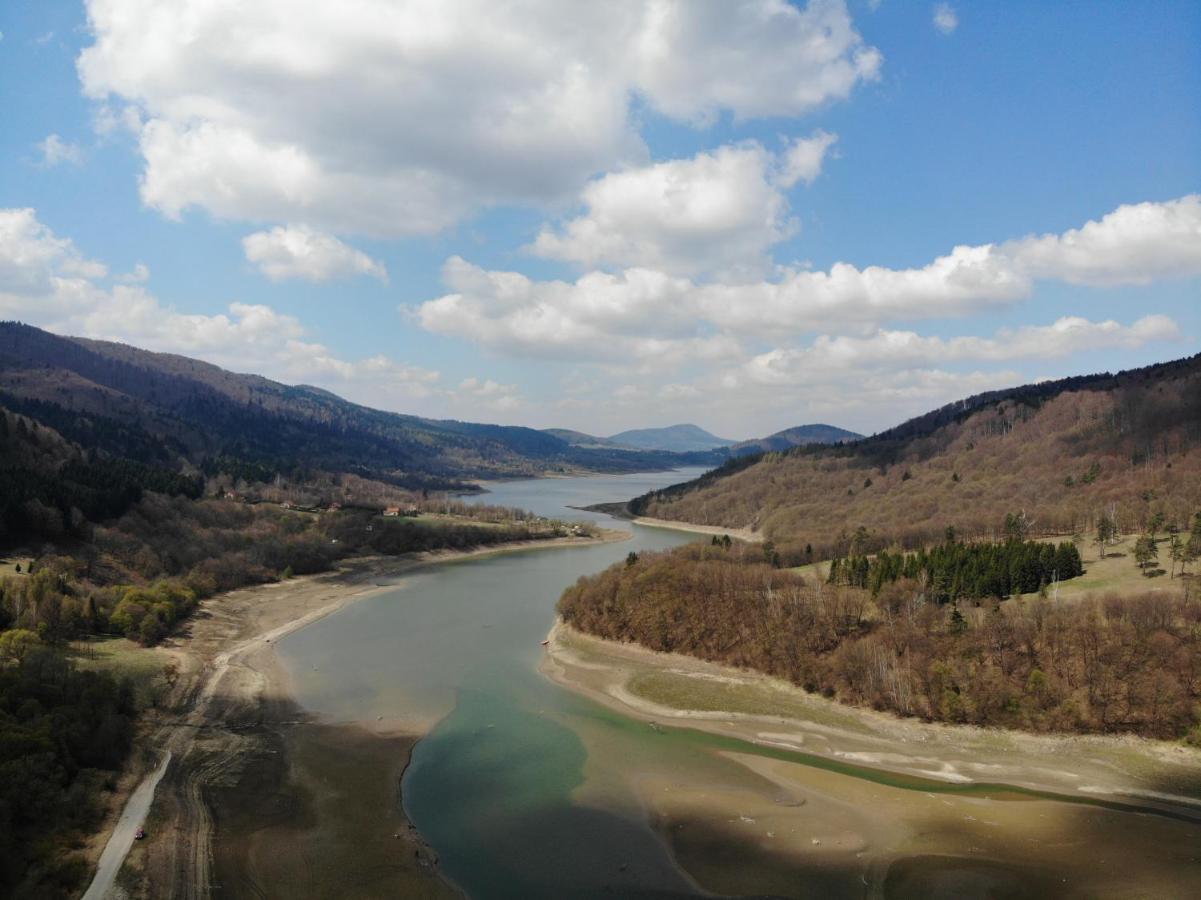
(361, 117)
(491, 394)
(890, 350)
(717, 211)
(946, 19)
(46, 281)
(1135, 244)
(35, 264)
(297, 251)
(638, 316)
(803, 159)
(140, 274)
(55, 151)
(644, 312)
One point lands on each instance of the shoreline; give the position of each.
(232, 717)
(741, 534)
(604, 670)
(818, 796)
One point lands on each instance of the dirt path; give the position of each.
(742, 534)
(125, 833)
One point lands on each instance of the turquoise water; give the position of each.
(522, 787)
(458, 644)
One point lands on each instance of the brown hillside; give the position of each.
(1130, 444)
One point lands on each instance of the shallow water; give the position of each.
(525, 789)
(458, 644)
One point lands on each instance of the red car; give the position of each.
(139, 834)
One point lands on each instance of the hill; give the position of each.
(171, 411)
(676, 438)
(795, 437)
(580, 439)
(1126, 446)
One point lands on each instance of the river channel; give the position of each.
(523, 788)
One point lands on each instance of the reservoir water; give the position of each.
(456, 648)
(525, 789)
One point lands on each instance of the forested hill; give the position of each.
(795, 437)
(1127, 445)
(167, 410)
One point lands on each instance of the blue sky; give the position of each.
(727, 213)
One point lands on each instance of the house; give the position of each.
(392, 511)
(412, 510)
(230, 495)
(335, 506)
(287, 504)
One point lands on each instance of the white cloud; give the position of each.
(139, 275)
(804, 158)
(55, 151)
(490, 394)
(946, 19)
(297, 251)
(695, 58)
(892, 350)
(648, 314)
(639, 316)
(1135, 244)
(45, 281)
(718, 211)
(35, 264)
(968, 279)
(376, 117)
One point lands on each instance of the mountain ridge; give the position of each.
(1067, 452)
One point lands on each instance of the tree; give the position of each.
(1187, 556)
(1194, 538)
(631, 559)
(1107, 530)
(1017, 526)
(1145, 551)
(1175, 552)
(1155, 524)
(16, 644)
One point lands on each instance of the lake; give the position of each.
(525, 789)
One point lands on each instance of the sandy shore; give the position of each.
(773, 825)
(742, 534)
(262, 799)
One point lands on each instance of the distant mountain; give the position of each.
(676, 438)
(795, 437)
(115, 402)
(580, 439)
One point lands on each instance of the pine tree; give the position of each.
(958, 624)
(1175, 551)
(1145, 551)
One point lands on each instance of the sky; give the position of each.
(746, 214)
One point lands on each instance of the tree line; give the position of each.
(64, 735)
(1112, 664)
(965, 570)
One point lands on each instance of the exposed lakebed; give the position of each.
(526, 789)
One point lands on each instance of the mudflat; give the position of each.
(260, 798)
(808, 797)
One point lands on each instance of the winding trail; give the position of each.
(124, 834)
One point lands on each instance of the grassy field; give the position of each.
(123, 658)
(1116, 573)
(8, 565)
(438, 519)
